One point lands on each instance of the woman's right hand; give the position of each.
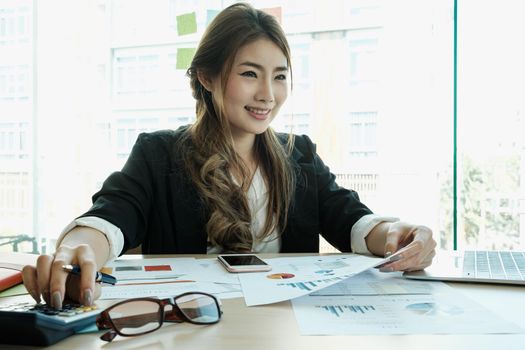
(49, 281)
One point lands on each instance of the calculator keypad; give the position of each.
(67, 309)
(67, 313)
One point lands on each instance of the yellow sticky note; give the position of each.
(184, 57)
(274, 11)
(187, 23)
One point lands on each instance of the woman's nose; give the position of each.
(265, 92)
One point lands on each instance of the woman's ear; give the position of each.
(205, 81)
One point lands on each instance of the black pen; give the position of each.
(100, 277)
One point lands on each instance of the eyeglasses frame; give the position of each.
(104, 320)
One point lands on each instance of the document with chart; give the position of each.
(163, 277)
(386, 306)
(292, 277)
(373, 282)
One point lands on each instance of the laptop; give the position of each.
(485, 266)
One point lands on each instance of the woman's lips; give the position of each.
(258, 113)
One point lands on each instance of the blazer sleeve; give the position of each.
(339, 208)
(126, 196)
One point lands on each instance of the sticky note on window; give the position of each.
(276, 12)
(211, 15)
(184, 57)
(187, 23)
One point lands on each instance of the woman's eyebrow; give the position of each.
(261, 68)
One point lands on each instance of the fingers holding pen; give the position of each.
(37, 278)
(79, 286)
(88, 266)
(58, 278)
(43, 273)
(49, 280)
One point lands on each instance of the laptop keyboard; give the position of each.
(501, 265)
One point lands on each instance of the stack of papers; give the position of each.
(294, 277)
(331, 295)
(290, 277)
(168, 277)
(384, 304)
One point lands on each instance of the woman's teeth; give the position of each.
(257, 110)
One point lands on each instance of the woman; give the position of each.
(227, 182)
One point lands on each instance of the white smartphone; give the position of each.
(243, 263)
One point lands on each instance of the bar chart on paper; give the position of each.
(338, 310)
(292, 277)
(375, 283)
(440, 313)
(312, 285)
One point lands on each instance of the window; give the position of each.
(128, 129)
(14, 83)
(363, 134)
(491, 113)
(363, 61)
(373, 88)
(13, 140)
(15, 203)
(15, 24)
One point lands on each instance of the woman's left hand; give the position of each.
(416, 243)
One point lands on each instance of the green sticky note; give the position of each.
(187, 23)
(184, 57)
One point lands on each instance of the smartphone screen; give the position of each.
(243, 260)
(243, 263)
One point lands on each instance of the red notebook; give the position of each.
(11, 265)
(9, 278)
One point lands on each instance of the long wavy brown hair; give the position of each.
(207, 147)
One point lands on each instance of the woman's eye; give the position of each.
(249, 74)
(280, 77)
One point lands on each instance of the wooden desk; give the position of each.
(274, 327)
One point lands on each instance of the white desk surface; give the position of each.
(274, 327)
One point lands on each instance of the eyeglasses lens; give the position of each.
(136, 317)
(199, 308)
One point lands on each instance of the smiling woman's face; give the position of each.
(256, 89)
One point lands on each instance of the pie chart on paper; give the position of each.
(280, 276)
(432, 309)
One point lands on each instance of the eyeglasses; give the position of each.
(144, 315)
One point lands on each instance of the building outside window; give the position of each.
(372, 88)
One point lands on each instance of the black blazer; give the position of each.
(155, 204)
